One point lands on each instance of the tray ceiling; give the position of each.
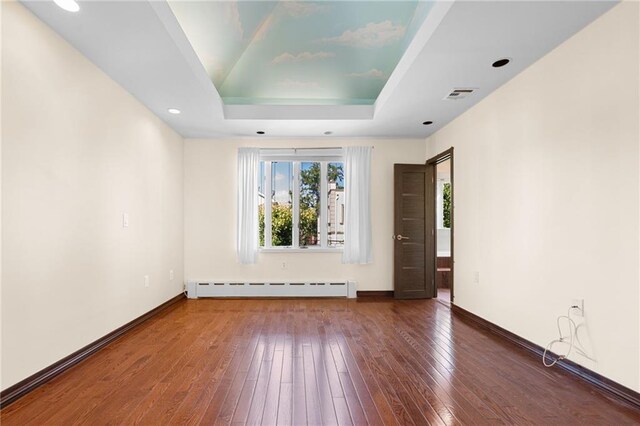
(300, 52)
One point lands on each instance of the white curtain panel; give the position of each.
(248, 167)
(357, 225)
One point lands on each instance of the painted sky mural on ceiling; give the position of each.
(300, 52)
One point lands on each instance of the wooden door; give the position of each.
(414, 222)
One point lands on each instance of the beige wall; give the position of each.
(210, 215)
(547, 192)
(77, 152)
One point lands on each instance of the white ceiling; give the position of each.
(141, 46)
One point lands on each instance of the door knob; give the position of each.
(400, 237)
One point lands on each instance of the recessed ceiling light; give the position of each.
(426, 123)
(173, 111)
(260, 132)
(500, 63)
(68, 5)
(328, 132)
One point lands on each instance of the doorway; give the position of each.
(443, 226)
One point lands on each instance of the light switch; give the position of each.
(146, 280)
(125, 220)
(171, 275)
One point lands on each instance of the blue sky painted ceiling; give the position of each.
(300, 52)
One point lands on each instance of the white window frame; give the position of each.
(296, 156)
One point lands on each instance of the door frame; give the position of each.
(443, 156)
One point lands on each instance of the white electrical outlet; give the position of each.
(170, 274)
(284, 265)
(580, 304)
(125, 220)
(146, 280)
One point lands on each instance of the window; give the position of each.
(309, 204)
(281, 203)
(335, 204)
(446, 204)
(305, 209)
(443, 204)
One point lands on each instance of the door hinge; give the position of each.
(432, 233)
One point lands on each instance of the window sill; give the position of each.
(300, 250)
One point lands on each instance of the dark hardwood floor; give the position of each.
(322, 361)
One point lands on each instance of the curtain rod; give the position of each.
(315, 149)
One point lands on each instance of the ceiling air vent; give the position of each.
(456, 94)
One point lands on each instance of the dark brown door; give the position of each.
(414, 219)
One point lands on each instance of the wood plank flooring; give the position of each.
(324, 361)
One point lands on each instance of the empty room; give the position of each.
(292, 212)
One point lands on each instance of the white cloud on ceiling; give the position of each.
(372, 73)
(298, 9)
(300, 57)
(371, 35)
(292, 9)
(233, 17)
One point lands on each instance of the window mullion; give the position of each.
(323, 205)
(296, 205)
(267, 204)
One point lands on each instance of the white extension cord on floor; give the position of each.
(573, 330)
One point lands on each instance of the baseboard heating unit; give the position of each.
(337, 288)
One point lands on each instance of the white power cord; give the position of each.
(573, 328)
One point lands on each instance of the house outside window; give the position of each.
(336, 214)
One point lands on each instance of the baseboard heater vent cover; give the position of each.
(332, 288)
